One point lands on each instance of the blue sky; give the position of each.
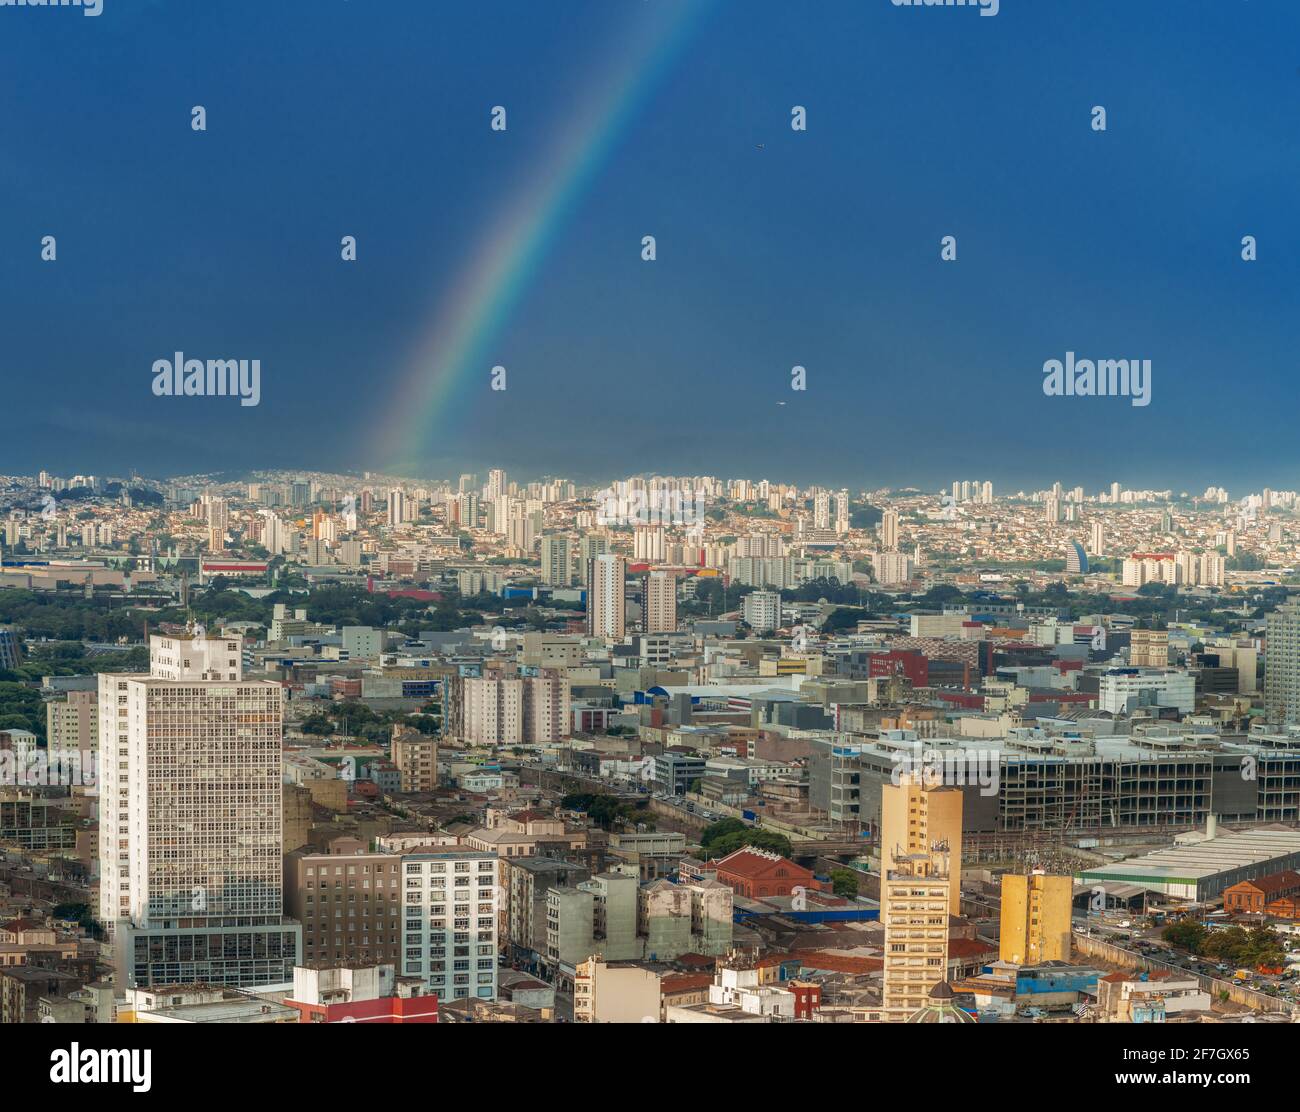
(820, 249)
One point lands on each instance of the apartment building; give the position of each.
(659, 603)
(916, 891)
(416, 757)
(503, 708)
(348, 902)
(1036, 912)
(72, 723)
(449, 929)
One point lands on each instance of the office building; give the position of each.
(190, 819)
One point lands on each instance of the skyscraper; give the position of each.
(190, 819)
(1076, 560)
(557, 568)
(606, 601)
(1097, 541)
(396, 507)
(889, 530)
(920, 885)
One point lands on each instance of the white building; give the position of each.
(893, 568)
(1125, 690)
(190, 820)
(762, 611)
(449, 929)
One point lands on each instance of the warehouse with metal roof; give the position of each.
(1202, 870)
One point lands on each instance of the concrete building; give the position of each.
(1035, 918)
(915, 893)
(502, 708)
(348, 901)
(606, 597)
(659, 603)
(1282, 663)
(527, 881)
(762, 611)
(557, 563)
(617, 993)
(676, 919)
(920, 886)
(72, 723)
(1149, 648)
(416, 757)
(915, 817)
(893, 568)
(598, 916)
(191, 819)
(1125, 690)
(449, 929)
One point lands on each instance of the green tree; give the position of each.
(844, 883)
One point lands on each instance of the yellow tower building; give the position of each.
(914, 816)
(1035, 918)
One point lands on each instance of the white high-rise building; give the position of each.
(649, 545)
(842, 512)
(606, 598)
(821, 509)
(396, 507)
(889, 530)
(1097, 540)
(449, 929)
(762, 611)
(190, 819)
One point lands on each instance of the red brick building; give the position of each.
(1252, 896)
(756, 873)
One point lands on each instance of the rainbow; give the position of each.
(456, 349)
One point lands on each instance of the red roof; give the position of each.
(750, 863)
